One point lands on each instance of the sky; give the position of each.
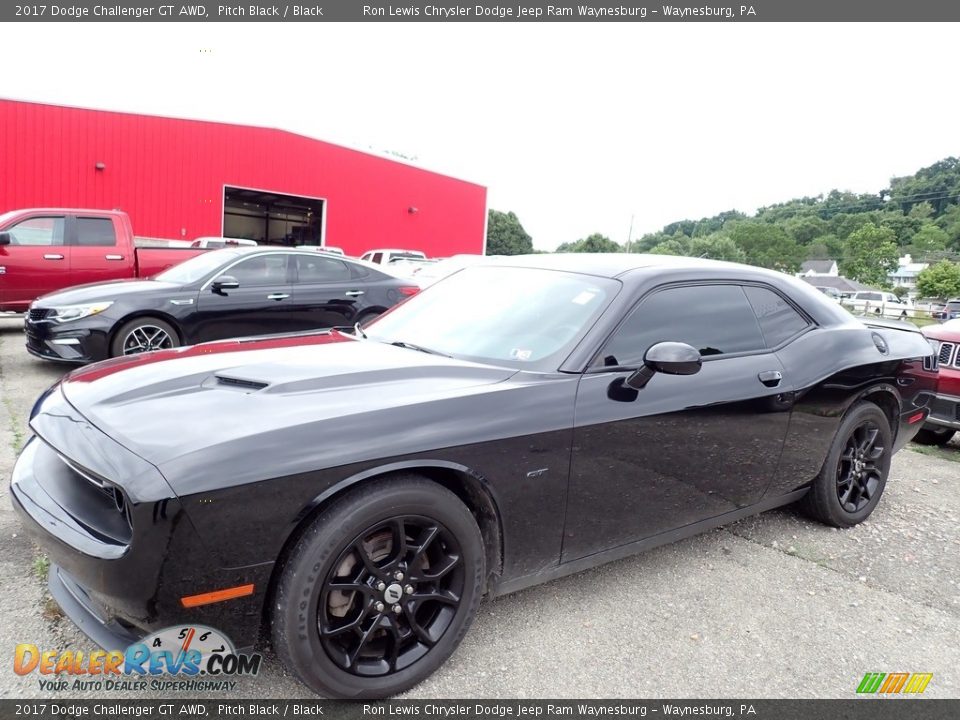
(577, 128)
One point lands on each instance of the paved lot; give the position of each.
(774, 606)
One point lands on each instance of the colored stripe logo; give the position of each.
(894, 683)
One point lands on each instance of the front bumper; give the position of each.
(73, 342)
(120, 564)
(944, 412)
(83, 610)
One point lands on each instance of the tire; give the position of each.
(838, 497)
(368, 650)
(929, 436)
(148, 333)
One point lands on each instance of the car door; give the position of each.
(36, 261)
(324, 292)
(684, 448)
(94, 254)
(261, 305)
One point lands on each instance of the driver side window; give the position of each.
(714, 319)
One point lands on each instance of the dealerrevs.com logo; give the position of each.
(894, 683)
(188, 658)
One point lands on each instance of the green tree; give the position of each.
(648, 241)
(940, 281)
(672, 246)
(937, 185)
(825, 247)
(716, 247)
(870, 254)
(928, 239)
(767, 245)
(804, 229)
(595, 243)
(505, 235)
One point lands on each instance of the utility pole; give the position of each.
(629, 233)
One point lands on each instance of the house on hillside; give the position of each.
(906, 274)
(819, 268)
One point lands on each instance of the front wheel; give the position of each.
(854, 474)
(143, 335)
(379, 590)
(931, 436)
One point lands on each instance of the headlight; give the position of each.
(66, 313)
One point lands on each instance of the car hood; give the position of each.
(98, 292)
(226, 398)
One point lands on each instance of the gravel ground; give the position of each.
(773, 606)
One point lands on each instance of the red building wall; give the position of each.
(168, 174)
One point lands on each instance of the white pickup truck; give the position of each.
(878, 302)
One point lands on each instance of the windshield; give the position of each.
(521, 317)
(197, 267)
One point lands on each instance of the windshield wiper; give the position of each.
(420, 348)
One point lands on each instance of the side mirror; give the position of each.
(225, 282)
(669, 358)
(5, 239)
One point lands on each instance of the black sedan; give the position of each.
(355, 495)
(220, 294)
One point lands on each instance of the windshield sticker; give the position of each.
(518, 354)
(584, 297)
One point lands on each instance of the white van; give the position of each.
(878, 302)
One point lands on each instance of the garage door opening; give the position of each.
(272, 218)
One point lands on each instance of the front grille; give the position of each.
(946, 353)
(37, 314)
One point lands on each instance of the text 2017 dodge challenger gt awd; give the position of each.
(356, 494)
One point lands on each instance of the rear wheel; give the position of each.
(854, 475)
(379, 590)
(143, 335)
(931, 436)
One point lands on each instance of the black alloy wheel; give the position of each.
(854, 474)
(858, 473)
(390, 595)
(143, 335)
(379, 589)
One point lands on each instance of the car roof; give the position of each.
(617, 264)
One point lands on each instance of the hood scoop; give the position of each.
(240, 383)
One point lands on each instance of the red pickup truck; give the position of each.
(47, 249)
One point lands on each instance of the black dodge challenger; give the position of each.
(354, 495)
(217, 295)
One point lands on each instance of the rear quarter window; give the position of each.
(779, 320)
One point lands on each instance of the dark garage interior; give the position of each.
(272, 218)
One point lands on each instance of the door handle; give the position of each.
(353, 293)
(278, 296)
(113, 257)
(770, 378)
(52, 256)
